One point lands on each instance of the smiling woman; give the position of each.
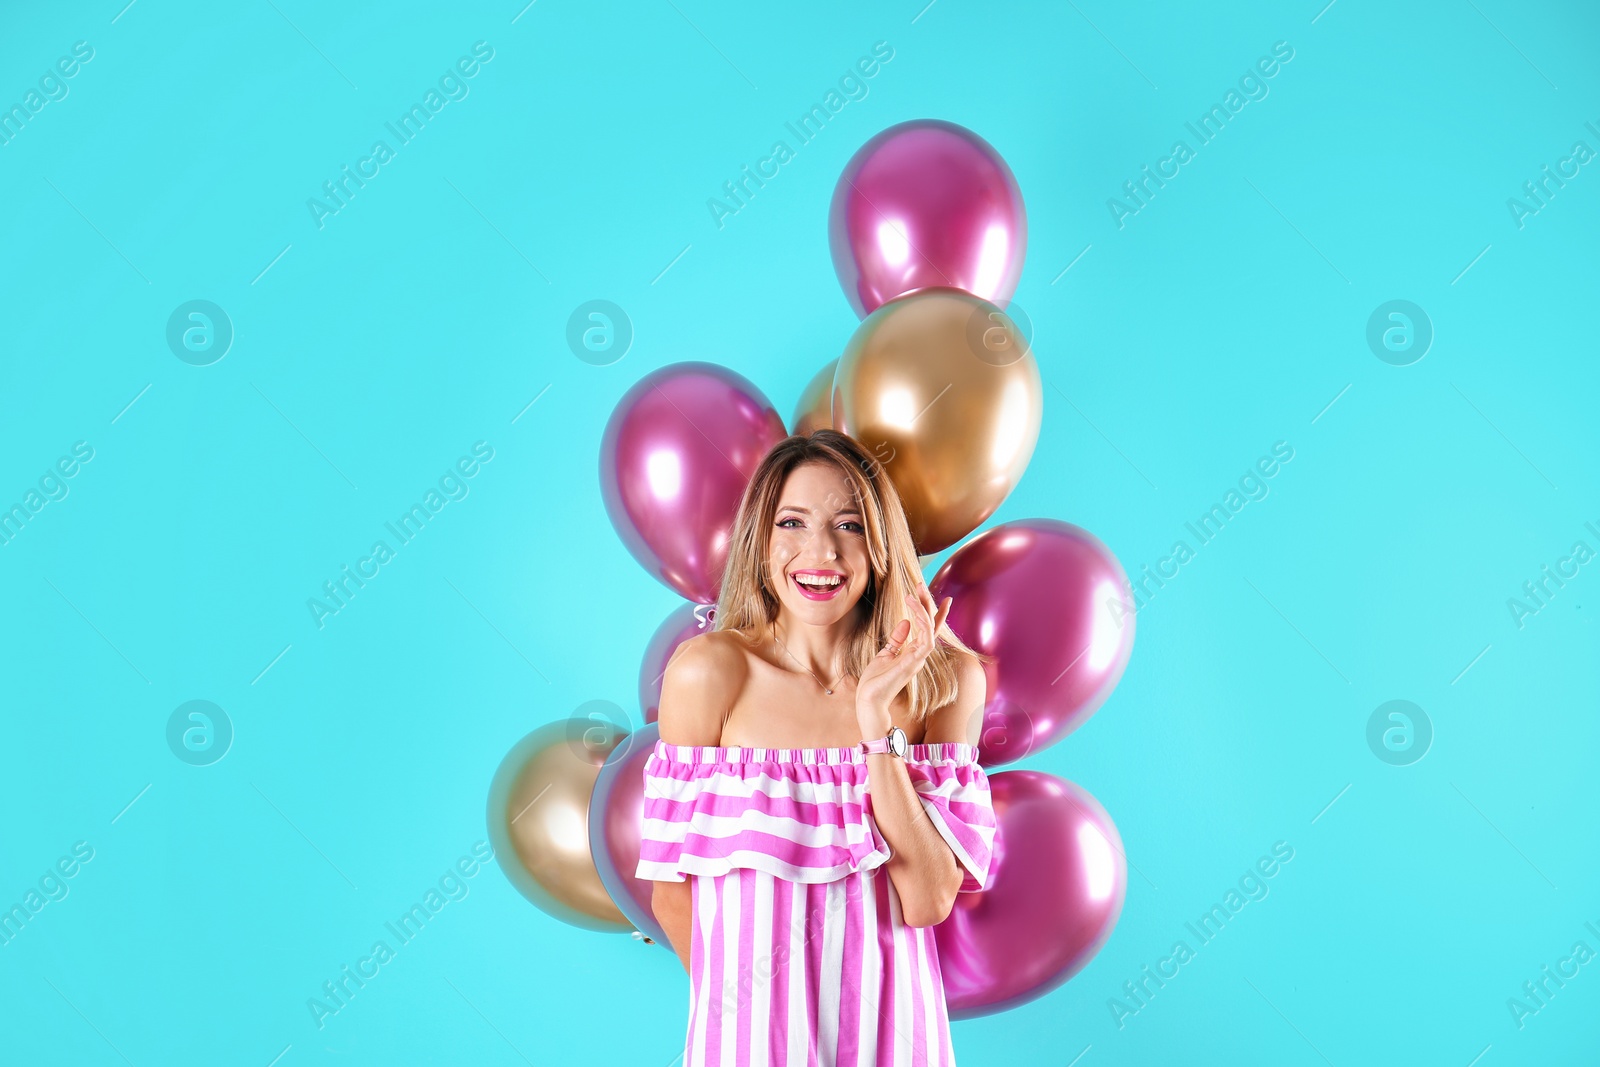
(814, 802)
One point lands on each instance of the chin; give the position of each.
(822, 610)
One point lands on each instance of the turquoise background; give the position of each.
(369, 354)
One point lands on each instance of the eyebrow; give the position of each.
(797, 507)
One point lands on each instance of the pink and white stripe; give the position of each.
(800, 955)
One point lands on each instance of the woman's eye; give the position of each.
(783, 524)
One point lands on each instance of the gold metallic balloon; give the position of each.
(944, 388)
(815, 409)
(539, 821)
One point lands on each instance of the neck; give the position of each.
(818, 649)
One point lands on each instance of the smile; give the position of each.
(818, 585)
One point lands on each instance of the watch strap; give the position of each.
(882, 744)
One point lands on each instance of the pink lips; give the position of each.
(818, 594)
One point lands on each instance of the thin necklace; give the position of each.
(802, 666)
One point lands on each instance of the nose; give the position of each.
(823, 542)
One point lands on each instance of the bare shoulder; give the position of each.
(961, 720)
(971, 682)
(704, 677)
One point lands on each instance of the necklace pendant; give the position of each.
(825, 689)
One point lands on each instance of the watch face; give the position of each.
(897, 741)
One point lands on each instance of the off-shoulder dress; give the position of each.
(800, 956)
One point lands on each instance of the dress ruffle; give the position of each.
(954, 791)
(802, 814)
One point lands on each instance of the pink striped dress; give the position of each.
(800, 957)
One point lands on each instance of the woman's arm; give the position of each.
(697, 691)
(671, 902)
(924, 871)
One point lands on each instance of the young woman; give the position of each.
(814, 803)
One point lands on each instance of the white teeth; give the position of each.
(817, 581)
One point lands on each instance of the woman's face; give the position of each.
(817, 553)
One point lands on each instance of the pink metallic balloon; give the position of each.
(616, 821)
(674, 461)
(926, 203)
(1050, 602)
(1055, 889)
(686, 621)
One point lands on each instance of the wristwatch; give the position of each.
(893, 743)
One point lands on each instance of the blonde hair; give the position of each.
(748, 604)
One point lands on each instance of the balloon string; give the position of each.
(709, 616)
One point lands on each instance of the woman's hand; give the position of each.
(899, 661)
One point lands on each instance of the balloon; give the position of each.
(1055, 888)
(1049, 601)
(616, 815)
(815, 409)
(926, 203)
(538, 810)
(685, 621)
(942, 387)
(674, 460)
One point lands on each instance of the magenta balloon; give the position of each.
(1049, 601)
(686, 621)
(1056, 886)
(926, 203)
(676, 455)
(616, 821)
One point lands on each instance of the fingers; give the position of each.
(927, 626)
(928, 617)
(922, 625)
(938, 612)
(897, 638)
(925, 597)
(919, 619)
